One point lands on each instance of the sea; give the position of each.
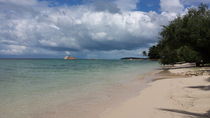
(57, 88)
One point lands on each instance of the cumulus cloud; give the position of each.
(126, 5)
(171, 6)
(104, 5)
(31, 27)
(13, 49)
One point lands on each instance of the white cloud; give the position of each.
(127, 5)
(13, 49)
(99, 35)
(171, 6)
(28, 29)
(48, 43)
(68, 52)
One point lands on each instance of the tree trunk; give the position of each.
(197, 64)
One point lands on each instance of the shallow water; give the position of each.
(64, 88)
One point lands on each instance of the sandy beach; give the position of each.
(175, 93)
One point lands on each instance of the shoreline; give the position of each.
(178, 93)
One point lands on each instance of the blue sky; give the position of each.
(84, 28)
(149, 5)
(143, 5)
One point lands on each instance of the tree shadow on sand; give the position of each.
(190, 114)
(206, 88)
(208, 79)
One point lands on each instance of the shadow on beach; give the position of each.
(205, 88)
(200, 87)
(173, 67)
(191, 114)
(208, 79)
(166, 74)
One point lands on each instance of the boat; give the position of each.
(69, 58)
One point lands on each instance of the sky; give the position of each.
(99, 29)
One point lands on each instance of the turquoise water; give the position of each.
(37, 88)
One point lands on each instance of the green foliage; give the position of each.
(168, 56)
(144, 53)
(185, 53)
(154, 53)
(186, 38)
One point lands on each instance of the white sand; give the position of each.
(167, 98)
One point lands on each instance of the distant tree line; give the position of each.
(185, 39)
